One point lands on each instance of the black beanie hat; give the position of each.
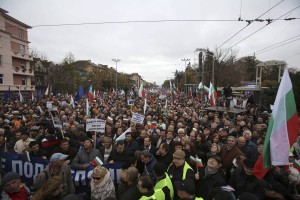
(9, 177)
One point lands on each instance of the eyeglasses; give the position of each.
(97, 178)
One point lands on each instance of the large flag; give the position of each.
(206, 91)
(39, 94)
(212, 95)
(200, 86)
(72, 102)
(122, 136)
(90, 93)
(87, 107)
(80, 93)
(21, 98)
(145, 106)
(176, 90)
(47, 90)
(282, 130)
(141, 91)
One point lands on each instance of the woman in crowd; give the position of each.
(101, 185)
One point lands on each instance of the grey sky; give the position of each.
(154, 50)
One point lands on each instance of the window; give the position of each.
(23, 81)
(22, 49)
(1, 78)
(0, 60)
(23, 63)
(21, 33)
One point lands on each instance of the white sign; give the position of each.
(97, 125)
(49, 104)
(137, 118)
(130, 102)
(162, 96)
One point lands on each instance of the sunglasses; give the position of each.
(97, 178)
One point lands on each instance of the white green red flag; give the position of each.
(176, 90)
(282, 130)
(88, 113)
(141, 91)
(91, 93)
(212, 95)
(200, 86)
(196, 161)
(97, 161)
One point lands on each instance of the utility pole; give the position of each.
(185, 60)
(116, 60)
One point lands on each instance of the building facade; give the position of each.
(15, 70)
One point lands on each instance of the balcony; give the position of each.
(25, 56)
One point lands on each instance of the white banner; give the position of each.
(97, 125)
(137, 118)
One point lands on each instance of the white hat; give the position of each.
(58, 156)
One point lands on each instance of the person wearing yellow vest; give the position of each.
(145, 186)
(180, 170)
(163, 181)
(186, 190)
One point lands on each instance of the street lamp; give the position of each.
(185, 60)
(116, 60)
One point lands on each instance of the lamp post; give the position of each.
(185, 60)
(116, 60)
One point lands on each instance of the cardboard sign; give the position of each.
(49, 104)
(97, 125)
(130, 102)
(137, 118)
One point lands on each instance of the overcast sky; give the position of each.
(155, 50)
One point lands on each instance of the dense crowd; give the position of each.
(182, 151)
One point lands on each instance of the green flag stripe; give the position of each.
(266, 150)
(290, 105)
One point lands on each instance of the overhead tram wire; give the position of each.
(139, 21)
(277, 43)
(270, 46)
(271, 21)
(249, 22)
(278, 46)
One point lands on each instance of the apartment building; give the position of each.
(15, 70)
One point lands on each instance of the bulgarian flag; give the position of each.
(88, 113)
(176, 90)
(212, 95)
(109, 120)
(282, 130)
(206, 91)
(196, 161)
(200, 86)
(90, 93)
(141, 91)
(97, 161)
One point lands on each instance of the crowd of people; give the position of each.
(181, 151)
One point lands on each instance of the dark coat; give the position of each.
(131, 147)
(118, 157)
(131, 193)
(166, 159)
(209, 182)
(245, 183)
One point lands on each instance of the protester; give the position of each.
(56, 167)
(101, 186)
(51, 190)
(13, 188)
(83, 158)
(146, 188)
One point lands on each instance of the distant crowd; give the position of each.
(183, 150)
